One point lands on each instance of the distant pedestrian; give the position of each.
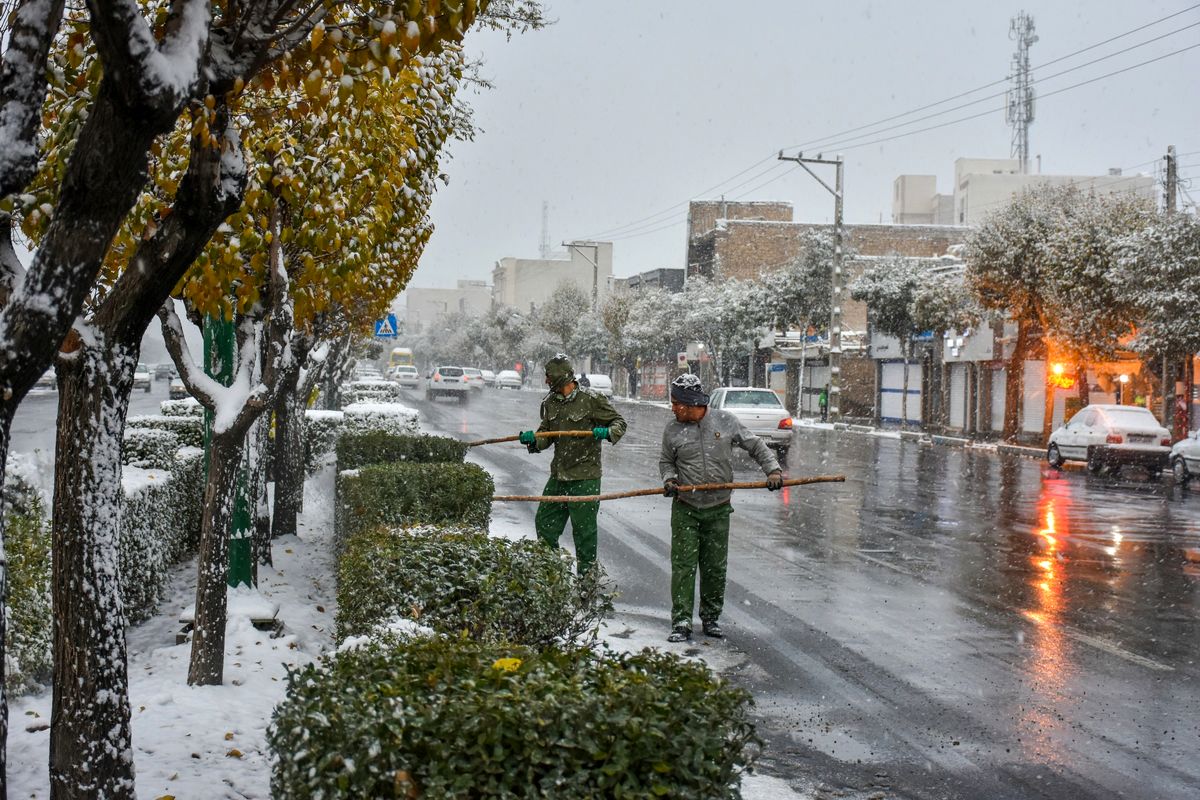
(698, 448)
(575, 469)
(823, 403)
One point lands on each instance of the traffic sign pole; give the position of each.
(219, 344)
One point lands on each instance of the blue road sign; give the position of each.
(386, 328)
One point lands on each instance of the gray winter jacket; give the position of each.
(702, 452)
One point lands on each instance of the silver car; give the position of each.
(1185, 458)
(761, 411)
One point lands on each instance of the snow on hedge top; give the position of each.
(321, 413)
(135, 479)
(187, 407)
(391, 417)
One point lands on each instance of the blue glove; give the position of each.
(600, 433)
(527, 437)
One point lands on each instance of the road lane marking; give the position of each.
(1102, 644)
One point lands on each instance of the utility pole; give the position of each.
(545, 245)
(1180, 415)
(836, 287)
(1019, 102)
(595, 262)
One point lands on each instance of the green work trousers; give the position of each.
(699, 537)
(552, 518)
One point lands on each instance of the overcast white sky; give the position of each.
(627, 108)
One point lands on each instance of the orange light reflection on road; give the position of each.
(1049, 656)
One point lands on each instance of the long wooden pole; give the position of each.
(701, 487)
(549, 434)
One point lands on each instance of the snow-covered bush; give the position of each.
(160, 525)
(370, 391)
(356, 450)
(29, 635)
(410, 494)
(388, 417)
(458, 580)
(149, 448)
(321, 432)
(189, 429)
(187, 407)
(447, 717)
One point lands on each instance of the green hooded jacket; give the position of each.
(581, 410)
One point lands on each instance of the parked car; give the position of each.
(176, 390)
(600, 384)
(406, 376)
(448, 382)
(508, 379)
(474, 378)
(1109, 437)
(489, 378)
(1185, 458)
(143, 378)
(761, 411)
(164, 371)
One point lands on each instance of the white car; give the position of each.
(508, 379)
(448, 382)
(143, 378)
(407, 376)
(1185, 458)
(601, 384)
(474, 378)
(489, 377)
(761, 411)
(1109, 437)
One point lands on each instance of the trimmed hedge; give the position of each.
(149, 448)
(460, 581)
(160, 526)
(389, 417)
(186, 407)
(371, 391)
(28, 645)
(446, 718)
(189, 429)
(321, 432)
(359, 449)
(407, 494)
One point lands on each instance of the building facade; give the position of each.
(983, 185)
(526, 283)
(425, 308)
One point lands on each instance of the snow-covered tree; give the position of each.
(889, 287)
(559, 316)
(1159, 268)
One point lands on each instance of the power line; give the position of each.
(629, 229)
(1043, 97)
(818, 142)
(1038, 82)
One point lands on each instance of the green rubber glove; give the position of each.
(600, 433)
(527, 437)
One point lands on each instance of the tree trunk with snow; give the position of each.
(1014, 383)
(5, 428)
(803, 364)
(207, 664)
(906, 349)
(289, 459)
(260, 455)
(90, 742)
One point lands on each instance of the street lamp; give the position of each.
(1122, 379)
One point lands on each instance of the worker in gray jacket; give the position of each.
(698, 448)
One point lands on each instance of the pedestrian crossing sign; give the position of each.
(386, 328)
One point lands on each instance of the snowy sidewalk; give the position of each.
(209, 741)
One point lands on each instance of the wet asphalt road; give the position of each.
(946, 624)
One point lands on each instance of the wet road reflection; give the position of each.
(948, 623)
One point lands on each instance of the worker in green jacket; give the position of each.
(575, 469)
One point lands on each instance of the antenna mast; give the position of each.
(1019, 102)
(545, 247)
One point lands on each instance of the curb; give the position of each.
(950, 441)
(1019, 450)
